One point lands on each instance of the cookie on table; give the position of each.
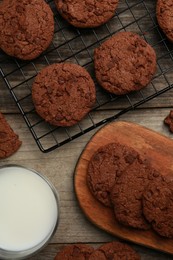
(26, 28)
(114, 250)
(63, 93)
(124, 63)
(158, 206)
(169, 120)
(9, 141)
(164, 10)
(127, 194)
(86, 14)
(105, 166)
(75, 252)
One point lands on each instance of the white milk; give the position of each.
(28, 209)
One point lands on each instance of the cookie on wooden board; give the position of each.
(114, 250)
(63, 93)
(26, 28)
(124, 63)
(75, 252)
(86, 14)
(127, 194)
(107, 164)
(158, 206)
(164, 11)
(9, 141)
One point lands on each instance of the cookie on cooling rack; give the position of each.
(127, 194)
(124, 63)
(107, 164)
(86, 14)
(164, 10)
(76, 251)
(158, 206)
(26, 28)
(63, 93)
(114, 250)
(9, 141)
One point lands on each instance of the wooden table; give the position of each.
(59, 164)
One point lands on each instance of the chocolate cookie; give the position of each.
(158, 206)
(127, 194)
(169, 120)
(9, 141)
(164, 14)
(26, 28)
(63, 94)
(124, 63)
(86, 14)
(114, 250)
(108, 163)
(75, 252)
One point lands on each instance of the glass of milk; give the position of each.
(29, 212)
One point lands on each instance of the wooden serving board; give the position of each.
(157, 148)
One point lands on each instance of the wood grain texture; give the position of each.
(58, 166)
(156, 148)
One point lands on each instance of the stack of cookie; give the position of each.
(140, 197)
(108, 251)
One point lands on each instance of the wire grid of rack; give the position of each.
(77, 45)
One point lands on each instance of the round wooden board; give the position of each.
(156, 148)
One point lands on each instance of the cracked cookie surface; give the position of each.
(75, 252)
(26, 28)
(114, 250)
(127, 194)
(105, 166)
(158, 206)
(124, 63)
(87, 13)
(63, 93)
(164, 14)
(9, 141)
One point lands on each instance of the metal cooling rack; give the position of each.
(77, 46)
